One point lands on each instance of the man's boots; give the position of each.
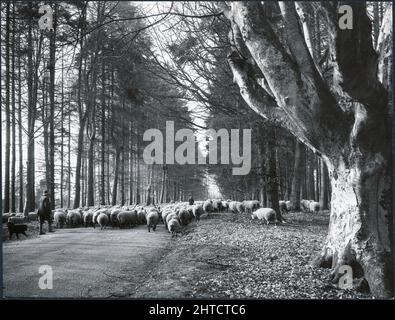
(41, 228)
(50, 227)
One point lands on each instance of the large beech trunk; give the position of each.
(361, 225)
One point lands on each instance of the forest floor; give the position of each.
(225, 255)
(232, 256)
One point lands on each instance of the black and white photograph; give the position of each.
(231, 150)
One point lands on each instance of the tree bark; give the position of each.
(62, 138)
(103, 138)
(137, 168)
(273, 179)
(298, 175)
(69, 158)
(116, 174)
(6, 204)
(51, 66)
(21, 185)
(13, 154)
(82, 114)
(131, 166)
(324, 203)
(32, 84)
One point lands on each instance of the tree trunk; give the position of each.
(82, 117)
(91, 171)
(32, 85)
(6, 204)
(13, 155)
(138, 168)
(62, 138)
(116, 174)
(21, 185)
(317, 177)
(324, 187)
(103, 138)
(51, 66)
(163, 186)
(131, 163)
(273, 200)
(376, 23)
(80, 149)
(298, 175)
(69, 158)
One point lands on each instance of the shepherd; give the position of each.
(44, 212)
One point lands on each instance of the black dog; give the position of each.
(17, 229)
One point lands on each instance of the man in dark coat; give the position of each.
(191, 201)
(44, 212)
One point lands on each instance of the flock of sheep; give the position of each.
(173, 215)
(311, 206)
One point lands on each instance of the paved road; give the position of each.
(85, 262)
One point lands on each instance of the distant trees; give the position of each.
(78, 99)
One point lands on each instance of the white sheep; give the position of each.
(265, 214)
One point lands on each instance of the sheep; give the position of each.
(102, 220)
(289, 205)
(283, 206)
(240, 207)
(114, 216)
(152, 219)
(232, 206)
(173, 226)
(217, 205)
(59, 219)
(184, 216)
(141, 216)
(251, 205)
(197, 211)
(190, 210)
(314, 207)
(87, 217)
(266, 214)
(166, 211)
(208, 206)
(73, 218)
(170, 216)
(225, 205)
(99, 211)
(305, 205)
(127, 218)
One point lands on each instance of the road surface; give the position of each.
(86, 263)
